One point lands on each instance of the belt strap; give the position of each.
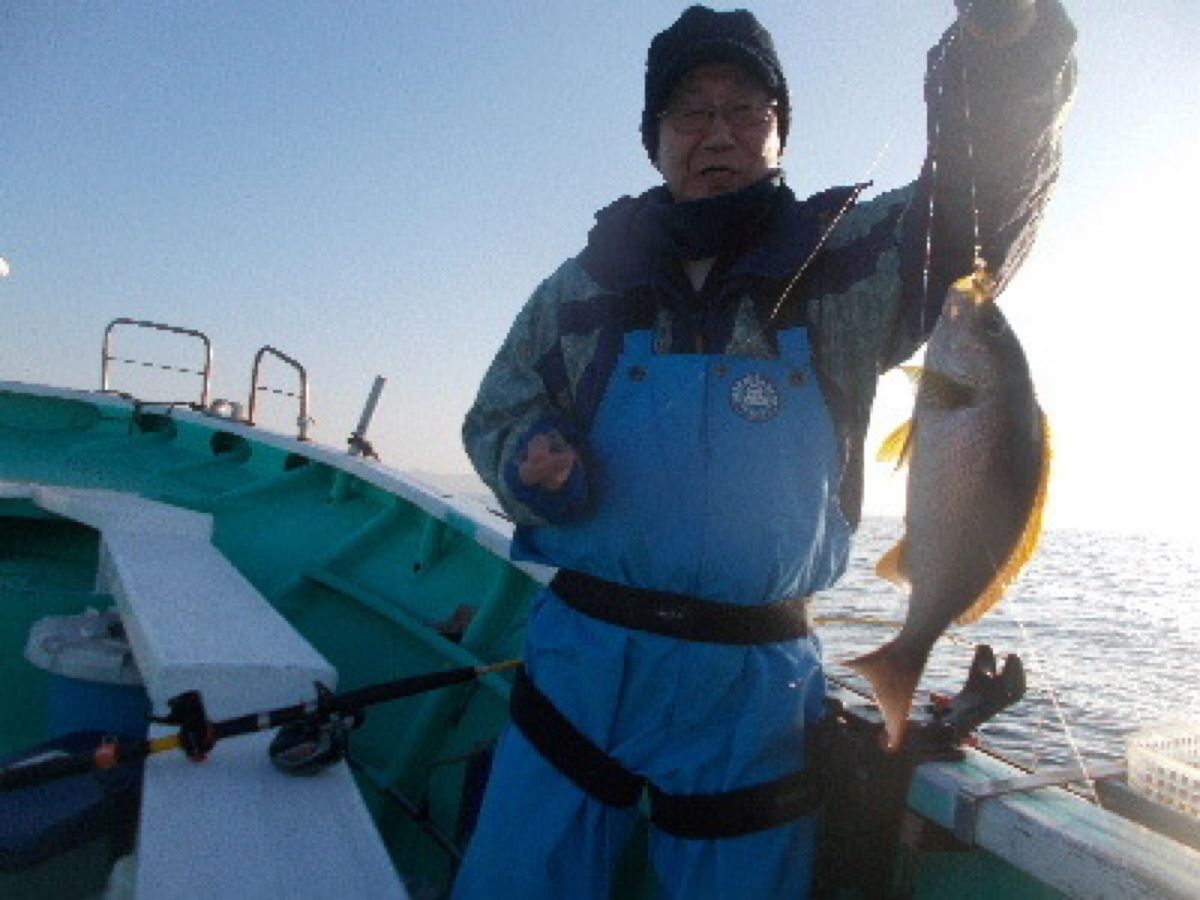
(738, 812)
(567, 748)
(681, 616)
(694, 816)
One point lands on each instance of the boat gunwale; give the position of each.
(483, 524)
(1135, 860)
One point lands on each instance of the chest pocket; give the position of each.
(712, 475)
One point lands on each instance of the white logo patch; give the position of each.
(754, 398)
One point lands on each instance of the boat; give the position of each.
(250, 566)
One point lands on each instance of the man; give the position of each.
(676, 421)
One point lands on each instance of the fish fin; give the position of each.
(898, 445)
(893, 675)
(893, 565)
(1025, 545)
(944, 391)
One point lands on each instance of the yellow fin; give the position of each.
(893, 565)
(897, 446)
(914, 373)
(1025, 546)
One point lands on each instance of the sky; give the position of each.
(375, 188)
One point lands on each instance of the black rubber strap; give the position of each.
(568, 749)
(698, 816)
(681, 616)
(738, 812)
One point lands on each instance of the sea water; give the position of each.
(1107, 625)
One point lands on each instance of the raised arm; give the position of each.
(997, 87)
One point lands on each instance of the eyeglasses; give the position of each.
(740, 114)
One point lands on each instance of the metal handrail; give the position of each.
(205, 373)
(303, 421)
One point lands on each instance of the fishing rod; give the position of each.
(312, 734)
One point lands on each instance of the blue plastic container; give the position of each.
(94, 683)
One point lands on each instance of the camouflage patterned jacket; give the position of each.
(869, 296)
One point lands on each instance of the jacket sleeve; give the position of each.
(525, 393)
(874, 299)
(995, 118)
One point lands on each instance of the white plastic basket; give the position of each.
(1164, 766)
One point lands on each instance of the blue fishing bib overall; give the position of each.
(713, 476)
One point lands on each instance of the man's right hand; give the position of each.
(548, 461)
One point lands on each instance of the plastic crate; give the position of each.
(1164, 766)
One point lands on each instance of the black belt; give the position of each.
(694, 816)
(681, 616)
(737, 812)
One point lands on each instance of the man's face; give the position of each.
(723, 156)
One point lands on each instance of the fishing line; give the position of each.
(1043, 675)
(935, 146)
(1050, 692)
(1039, 734)
(879, 622)
(821, 241)
(979, 263)
(977, 245)
(1045, 681)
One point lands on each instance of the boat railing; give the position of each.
(303, 420)
(107, 357)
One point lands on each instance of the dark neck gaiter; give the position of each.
(712, 226)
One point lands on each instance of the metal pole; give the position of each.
(364, 421)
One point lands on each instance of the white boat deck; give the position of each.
(232, 826)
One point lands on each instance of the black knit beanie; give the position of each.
(699, 36)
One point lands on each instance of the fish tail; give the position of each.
(893, 673)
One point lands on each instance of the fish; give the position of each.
(978, 452)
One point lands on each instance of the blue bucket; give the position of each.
(94, 683)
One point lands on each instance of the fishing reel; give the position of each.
(314, 743)
(197, 735)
